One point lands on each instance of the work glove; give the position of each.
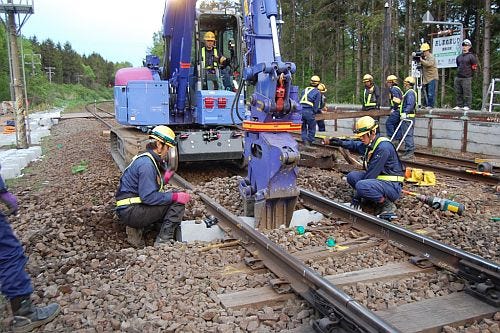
(355, 203)
(10, 201)
(181, 197)
(336, 142)
(167, 175)
(403, 115)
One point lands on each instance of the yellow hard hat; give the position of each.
(209, 35)
(322, 88)
(367, 78)
(164, 134)
(315, 80)
(425, 47)
(392, 78)
(364, 125)
(410, 80)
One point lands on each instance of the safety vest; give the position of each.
(409, 115)
(159, 179)
(304, 99)
(368, 156)
(203, 57)
(368, 100)
(395, 100)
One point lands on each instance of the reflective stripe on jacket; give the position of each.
(369, 100)
(159, 179)
(409, 104)
(368, 156)
(204, 56)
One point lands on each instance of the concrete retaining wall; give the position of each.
(472, 131)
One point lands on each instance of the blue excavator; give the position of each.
(206, 106)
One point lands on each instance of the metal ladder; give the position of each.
(405, 133)
(490, 95)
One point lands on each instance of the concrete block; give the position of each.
(447, 125)
(446, 143)
(451, 134)
(191, 231)
(483, 148)
(304, 216)
(484, 128)
(9, 172)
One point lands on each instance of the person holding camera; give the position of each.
(429, 74)
(467, 66)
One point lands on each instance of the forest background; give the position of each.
(339, 40)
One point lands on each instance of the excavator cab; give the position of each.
(218, 69)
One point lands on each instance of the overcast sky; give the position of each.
(119, 30)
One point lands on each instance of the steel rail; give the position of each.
(479, 272)
(319, 292)
(490, 180)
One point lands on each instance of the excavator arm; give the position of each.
(269, 191)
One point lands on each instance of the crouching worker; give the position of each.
(382, 180)
(141, 200)
(15, 283)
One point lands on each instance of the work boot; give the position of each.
(27, 316)
(408, 156)
(166, 234)
(387, 207)
(135, 237)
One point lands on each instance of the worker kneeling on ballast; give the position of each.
(141, 200)
(382, 180)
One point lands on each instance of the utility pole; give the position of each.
(49, 71)
(386, 55)
(33, 62)
(11, 9)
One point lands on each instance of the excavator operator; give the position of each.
(141, 200)
(382, 181)
(211, 61)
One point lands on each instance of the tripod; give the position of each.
(416, 72)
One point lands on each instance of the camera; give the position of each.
(417, 56)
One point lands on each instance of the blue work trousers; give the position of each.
(409, 143)
(430, 92)
(392, 123)
(374, 189)
(14, 280)
(308, 125)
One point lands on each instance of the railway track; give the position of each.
(336, 308)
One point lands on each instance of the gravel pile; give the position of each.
(79, 256)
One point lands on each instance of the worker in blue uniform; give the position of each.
(14, 281)
(371, 94)
(407, 113)
(322, 107)
(381, 182)
(310, 102)
(141, 200)
(395, 98)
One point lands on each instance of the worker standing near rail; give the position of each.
(395, 98)
(14, 281)
(310, 102)
(407, 113)
(381, 182)
(141, 200)
(371, 94)
(322, 107)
